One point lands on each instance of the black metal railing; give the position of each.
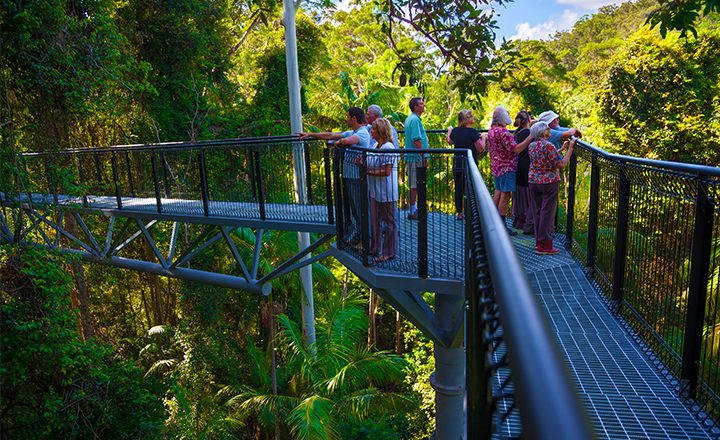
(648, 232)
(240, 178)
(517, 385)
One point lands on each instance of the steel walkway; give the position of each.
(624, 390)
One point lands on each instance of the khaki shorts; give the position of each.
(412, 173)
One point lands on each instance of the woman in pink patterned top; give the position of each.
(503, 159)
(544, 180)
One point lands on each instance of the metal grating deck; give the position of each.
(624, 392)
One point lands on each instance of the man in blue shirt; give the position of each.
(558, 134)
(357, 136)
(415, 137)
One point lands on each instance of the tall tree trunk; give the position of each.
(372, 312)
(83, 298)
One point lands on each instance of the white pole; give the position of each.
(293, 77)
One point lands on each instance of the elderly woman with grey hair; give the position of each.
(503, 159)
(544, 180)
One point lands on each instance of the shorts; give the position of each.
(506, 182)
(412, 173)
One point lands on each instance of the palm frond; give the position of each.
(368, 402)
(366, 368)
(310, 420)
(158, 330)
(161, 366)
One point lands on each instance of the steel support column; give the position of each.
(448, 380)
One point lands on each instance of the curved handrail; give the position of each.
(546, 397)
(700, 170)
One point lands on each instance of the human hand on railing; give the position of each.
(304, 135)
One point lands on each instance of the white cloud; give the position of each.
(524, 31)
(588, 4)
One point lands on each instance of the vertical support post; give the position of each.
(204, 192)
(422, 222)
(97, 167)
(697, 296)
(156, 182)
(163, 163)
(593, 213)
(339, 199)
(308, 180)
(51, 176)
(129, 174)
(621, 235)
(118, 195)
(448, 379)
(258, 182)
(251, 167)
(82, 180)
(364, 210)
(328, 185)
(570, 220)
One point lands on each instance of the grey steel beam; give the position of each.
(256, 255)
(288, 269)
(173, 241)
(413, 308)
(151, 242)
(61, 231)
(233, 249)
(132, 238)
(109, 236)
(87, 232)
(216, 279)
(280, 270)
(193, 252)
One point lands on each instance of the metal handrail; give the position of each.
(701, 170)
(547, 399)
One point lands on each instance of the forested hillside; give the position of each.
(89, 351)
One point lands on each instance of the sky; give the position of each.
(540, 19)
(535, 19)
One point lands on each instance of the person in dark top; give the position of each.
(522, 198)
(463, 137)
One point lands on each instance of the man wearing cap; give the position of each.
(558, 134)
(375, 112)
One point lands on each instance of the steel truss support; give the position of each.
(49, 229)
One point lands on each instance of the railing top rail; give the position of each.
(694, 169)
(164, 146)
(536, 361)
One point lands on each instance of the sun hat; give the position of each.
(548, 116)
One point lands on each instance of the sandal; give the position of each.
(382, 259)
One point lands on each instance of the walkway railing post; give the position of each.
(570, 213)
(621, 235)
(129, 174)
(422, 221)
(164, 165)
(204, 191)
(328, 185)
(81, 175)
(364, 211)
(259, 184)
(156, 181)
(593, 212)
(308, 180)
(340, 223)
(118, 195)
(697, 296)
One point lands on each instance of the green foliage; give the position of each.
(54, 385)
(660, 96)
(334, 387)
(681, 16)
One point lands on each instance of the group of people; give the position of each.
(525, 167)
(525, 164)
